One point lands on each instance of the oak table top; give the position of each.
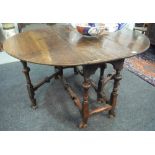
(61, 45)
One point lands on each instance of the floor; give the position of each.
(5, 58)
(56, 111)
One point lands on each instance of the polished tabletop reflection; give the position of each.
(62, 45)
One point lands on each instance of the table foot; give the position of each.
(88, 70)
(85, 106)
(34, 107)
(82, 125)
(111, 114)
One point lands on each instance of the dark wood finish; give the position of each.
(78, 71)
(151, 32)
(46, 80)
(93, 84)
(85, 107)
(30, 87)
(73, 95)
(100, 97)
(107, 79)
(62, 47)
(1, 40)
(75, 70)
(88, 70)
(118, 66)
(21, 26)
(100, 94)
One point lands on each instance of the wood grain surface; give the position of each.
(61, 45)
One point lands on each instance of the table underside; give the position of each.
(86, 72)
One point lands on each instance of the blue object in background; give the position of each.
(121, 25)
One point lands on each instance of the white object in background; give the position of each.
(131, 25)
(9, 32)
(4, 57)
(73, 25)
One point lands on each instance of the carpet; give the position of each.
(56, 111)
(143, 65)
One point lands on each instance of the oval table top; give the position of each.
(61, 45)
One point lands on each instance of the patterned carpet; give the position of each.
(143, 65)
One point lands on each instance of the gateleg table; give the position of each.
(63, 47)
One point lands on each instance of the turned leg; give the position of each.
(30, 88)
(75, 70)
(100, 84)
(85, 106)
(88, 70)
(60, 69)
(118, 66)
